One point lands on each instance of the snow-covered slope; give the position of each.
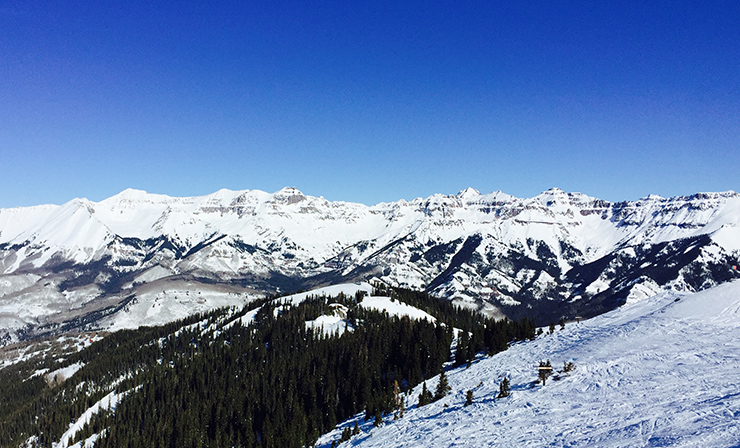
(557, 254)
(661, 372)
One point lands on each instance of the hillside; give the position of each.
(661, 372)
(146, 259)
(276, 373)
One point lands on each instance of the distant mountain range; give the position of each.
(141, 259)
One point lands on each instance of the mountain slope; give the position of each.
(85, 264)
(659, 372)
(662, 372)
(276, 373)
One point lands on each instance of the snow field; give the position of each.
(395, 308)
(174, 301)
(62, 374)
(330, 325)
(661, 372)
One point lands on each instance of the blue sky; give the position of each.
(368, 102)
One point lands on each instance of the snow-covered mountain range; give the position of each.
(140, 259)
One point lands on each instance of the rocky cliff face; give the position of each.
(142, 258)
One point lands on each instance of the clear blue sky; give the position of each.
(368, 101)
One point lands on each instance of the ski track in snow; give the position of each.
(661, 372)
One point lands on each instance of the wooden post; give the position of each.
(544, 372)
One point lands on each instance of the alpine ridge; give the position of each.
(142, 259)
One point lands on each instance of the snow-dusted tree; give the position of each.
(443, 387)
(568, 366)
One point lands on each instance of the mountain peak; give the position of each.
(130, 195)
(468, 193)
(132, 192)
(289, 190)
(552, 196)
(288, 195)
(553, 191)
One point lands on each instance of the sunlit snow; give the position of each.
(659, 372)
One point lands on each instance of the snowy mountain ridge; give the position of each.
(556, 254)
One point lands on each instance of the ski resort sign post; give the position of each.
(545, 370)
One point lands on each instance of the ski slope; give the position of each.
(661, 372)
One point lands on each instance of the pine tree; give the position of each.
(463, 347)
(469, 398)
(503, 389)
(378, 418)
(425, 397)
(443, 387)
